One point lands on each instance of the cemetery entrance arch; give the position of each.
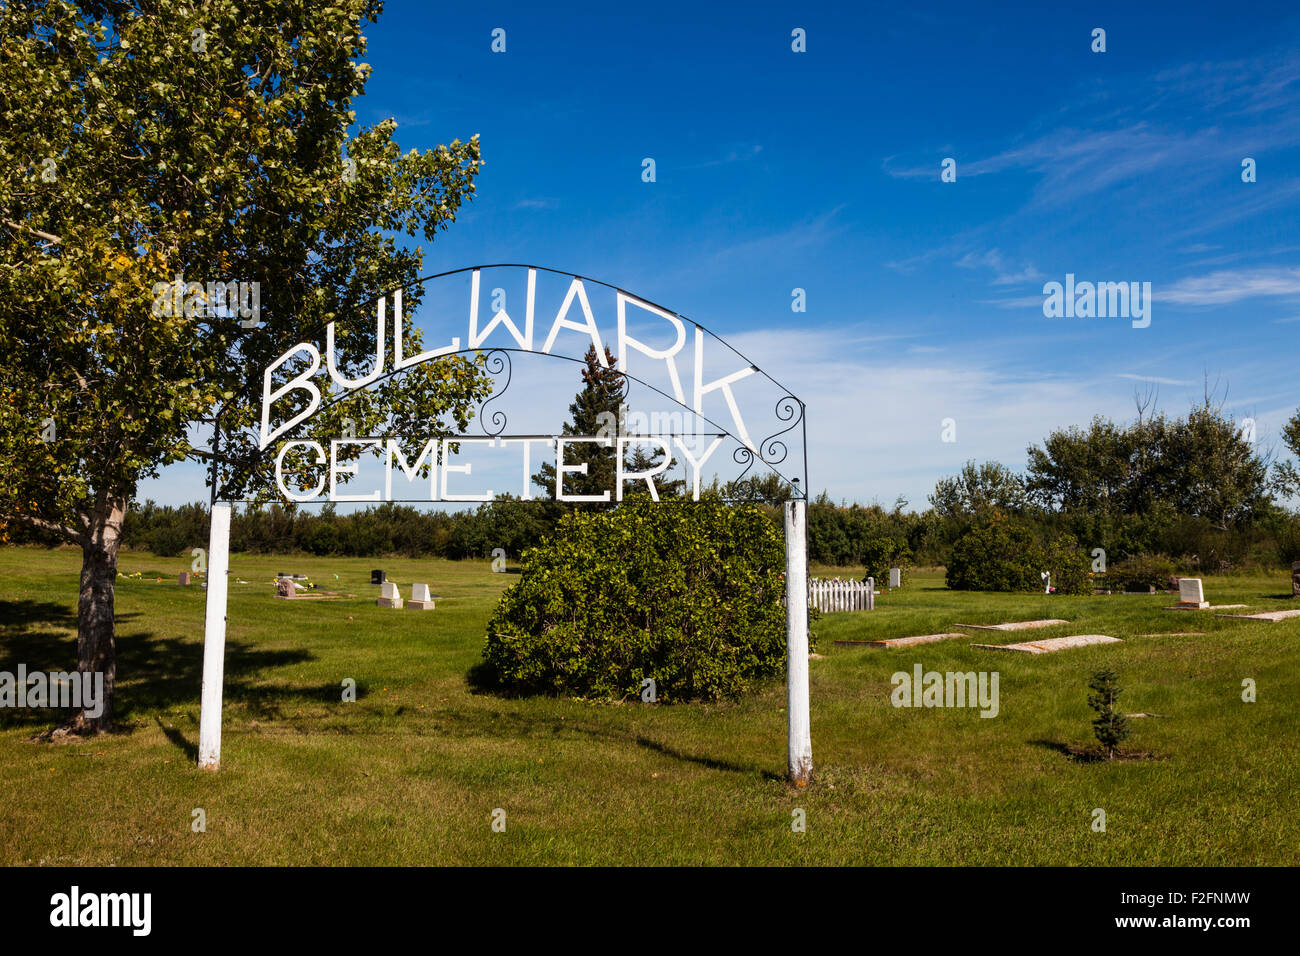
(698, 399)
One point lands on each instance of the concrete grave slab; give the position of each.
(1015, 625)
(1204, 607)
(1052, 644)
(902, 641)
(1265, 616)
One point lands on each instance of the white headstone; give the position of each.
(389, 590)
(420, 592)
(1190, 591)
(895, 577)
(871, 584)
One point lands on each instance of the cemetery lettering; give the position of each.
(431, 454)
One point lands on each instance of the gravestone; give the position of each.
(1191, 594)
(1265, 616)
(284, 589)
(421, 600)
(1015, 625)
(901, 641)
(388, 596)
(1295, 579)
(895, 577)
(377, 577)
(1052, 644)
(186, 578)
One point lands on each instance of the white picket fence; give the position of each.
(838, 595)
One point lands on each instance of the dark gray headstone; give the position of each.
(377, 577)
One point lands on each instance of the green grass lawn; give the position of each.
(411, 772)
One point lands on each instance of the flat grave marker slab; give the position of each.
(901, 641)
(1052, 644)
(1265, 616)
(1015, 625)
(1205, 607)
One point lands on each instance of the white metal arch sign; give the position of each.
(691, 386)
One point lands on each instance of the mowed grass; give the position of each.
(412, 771)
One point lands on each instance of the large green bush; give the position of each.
(1002, 555)
(687, 594)
(1139, 572)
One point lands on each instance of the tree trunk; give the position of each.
(96, 639)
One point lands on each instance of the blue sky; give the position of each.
(820, 170)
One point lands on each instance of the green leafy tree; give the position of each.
(1124, 485)
(1220, 477)
(1110, 726)
(979, 490)
(1286, 477)
(1003, 555)
(211, 142)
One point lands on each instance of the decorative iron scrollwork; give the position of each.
(496, 362)
(771, 449)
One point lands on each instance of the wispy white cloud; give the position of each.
(1232, 285)
(1077, 152)
(738, 154)
(1016, 302)
(809, 233)
(1004, 272)
(1156, 379)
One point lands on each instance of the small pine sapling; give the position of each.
(1110, 725)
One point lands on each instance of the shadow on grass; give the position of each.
(1092, 753)
(153, 673)
(481, 681)
(177, 738)
(713, 763)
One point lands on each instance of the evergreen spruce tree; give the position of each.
(641, 458)
(594, 411)
(1110, 725)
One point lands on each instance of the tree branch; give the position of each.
(43, 525)
(35, 232)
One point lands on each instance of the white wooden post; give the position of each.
(214, 639)
(796, 641)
